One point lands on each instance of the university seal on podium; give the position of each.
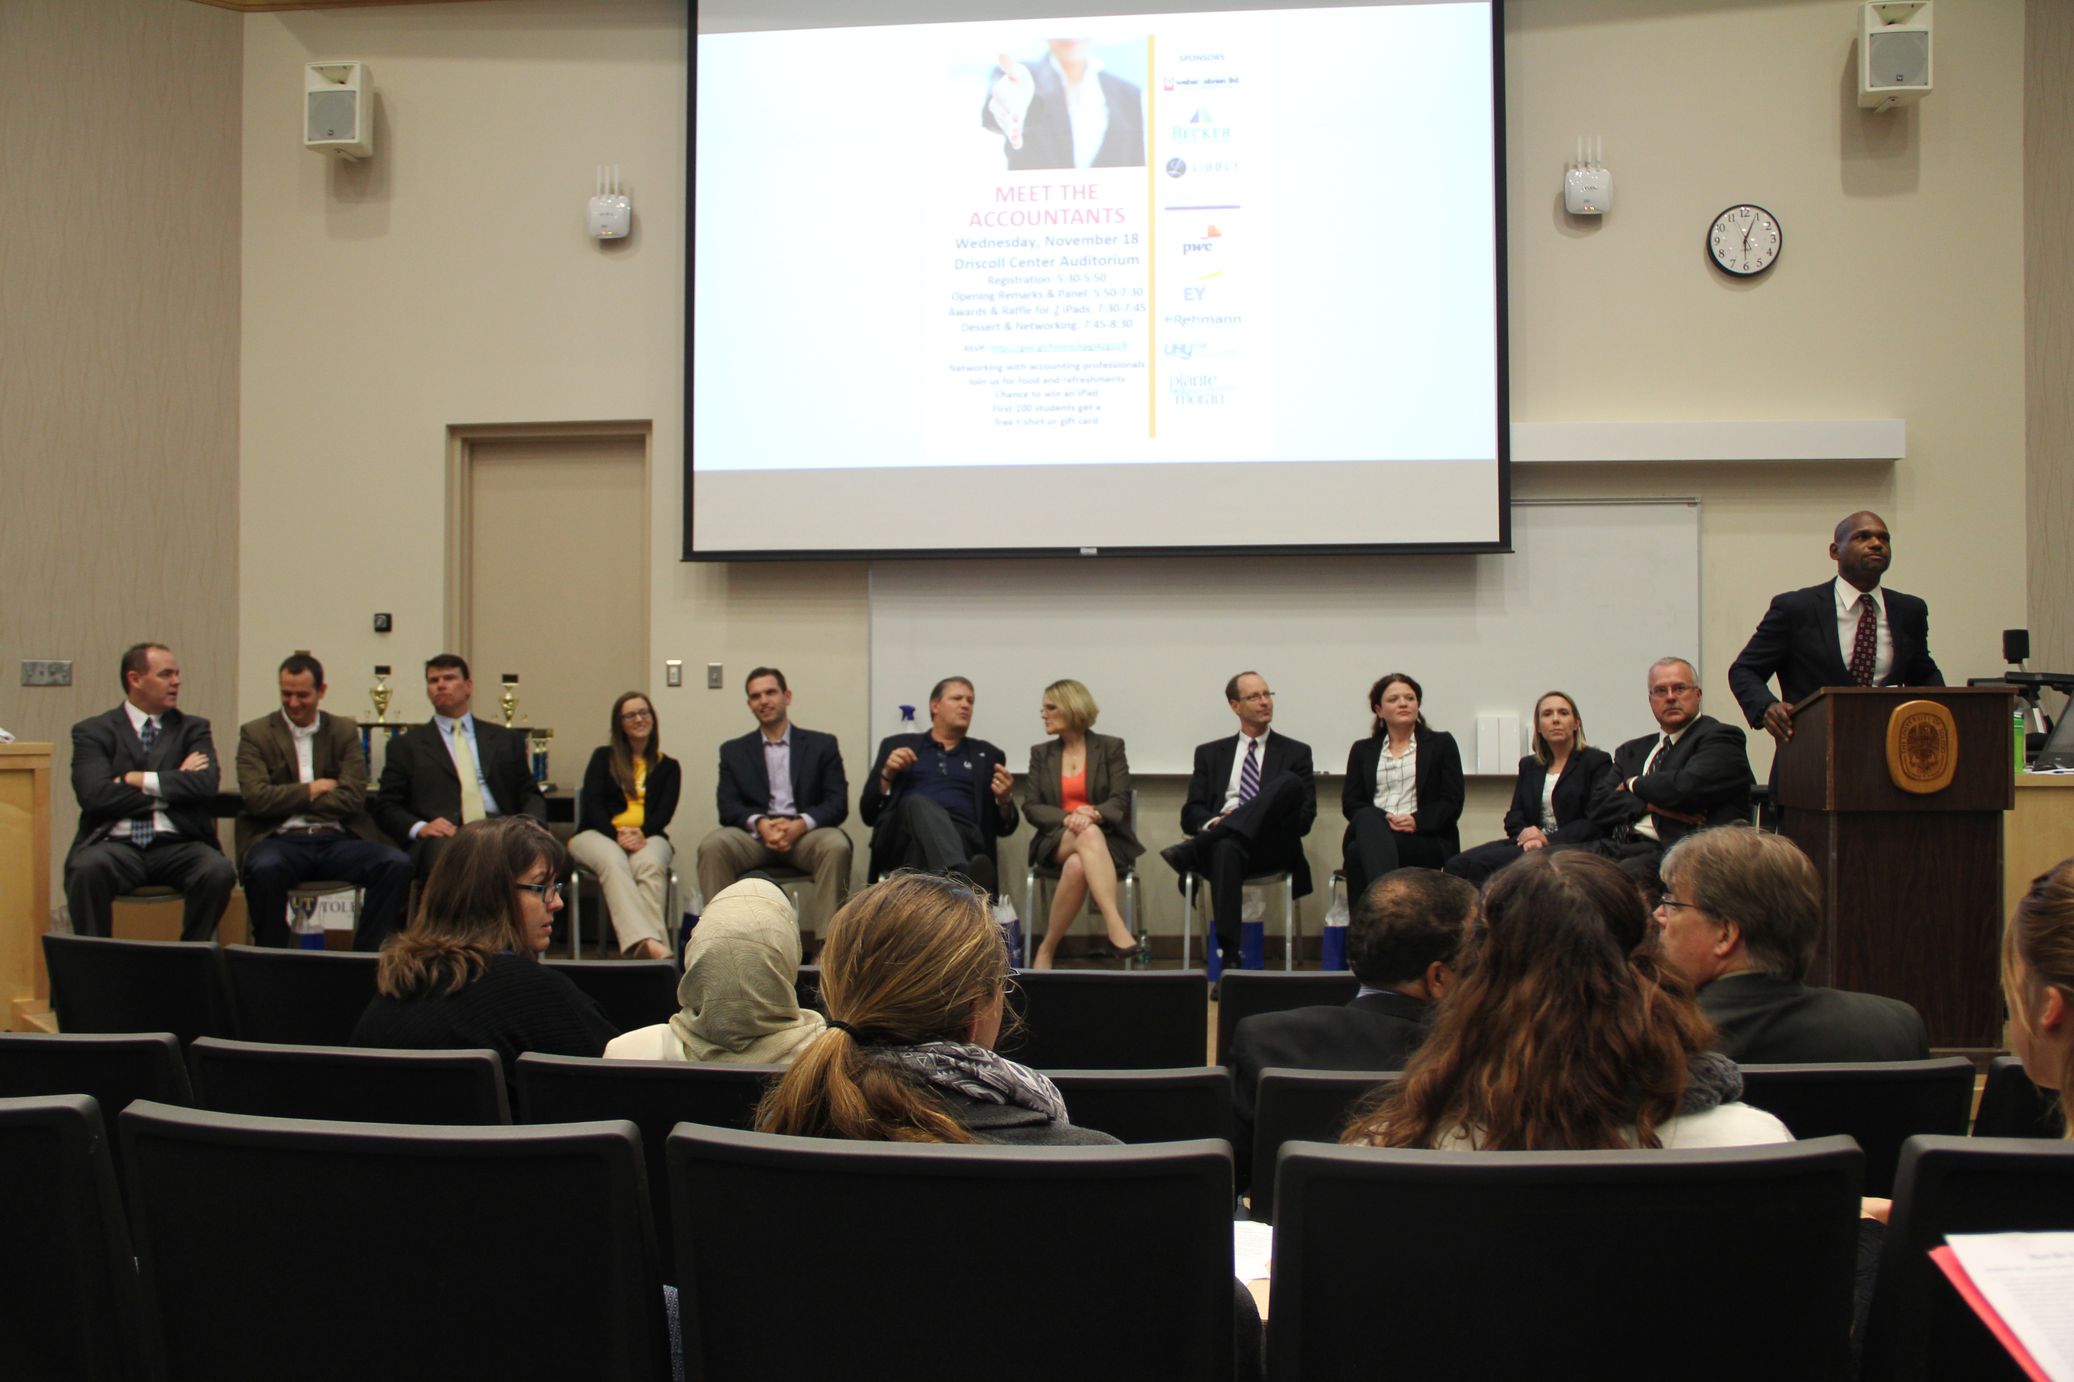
(1922, 747)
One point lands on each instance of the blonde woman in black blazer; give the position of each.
(1379, 841)
(1583, 777)
(1079, 803)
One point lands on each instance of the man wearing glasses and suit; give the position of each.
(782, 796)
(1251, 800)
(1692, 773)
(304, 782)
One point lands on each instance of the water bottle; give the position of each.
(2017, 724)
(907, 720)
(1335, 939)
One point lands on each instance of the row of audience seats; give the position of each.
(318, 1249)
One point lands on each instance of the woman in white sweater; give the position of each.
(1565, 1032)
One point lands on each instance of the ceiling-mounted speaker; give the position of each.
(1893, 53)
(338, 109)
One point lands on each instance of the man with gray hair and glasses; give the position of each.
(1692, 773)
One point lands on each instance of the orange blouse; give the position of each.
(1073, 790)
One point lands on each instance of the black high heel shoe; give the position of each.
(1137, 948)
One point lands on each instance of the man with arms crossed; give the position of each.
(145, 776)
(938, 801)
(304, 783)
(782, 795)
(1251, 800)
(1694, 772)
(1740, 916)
(452, 770)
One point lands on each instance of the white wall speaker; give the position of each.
(338, 109)
(1893, 53)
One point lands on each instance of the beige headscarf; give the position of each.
(736, 1001)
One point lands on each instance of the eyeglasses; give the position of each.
(1257, 696)
(1666, 903)
(631, 716)
(546, 892)
(1676, 688)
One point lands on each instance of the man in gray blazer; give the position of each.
(303, 778)
(1740, 916)
(145, 775)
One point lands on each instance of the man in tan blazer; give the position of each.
(304, 781)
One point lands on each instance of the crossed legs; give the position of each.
(1086, 869)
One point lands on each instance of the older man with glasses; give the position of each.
(1693, 772)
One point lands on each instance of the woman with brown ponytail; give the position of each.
(1565, 1032)
(914, 976)
(2038, 980)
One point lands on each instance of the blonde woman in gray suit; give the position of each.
(1079, 803)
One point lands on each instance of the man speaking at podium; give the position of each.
(1847, 632)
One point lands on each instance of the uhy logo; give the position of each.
(1182, 350)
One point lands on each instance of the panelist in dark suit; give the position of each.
(424, 798)
(1401, 945)
(1844, 632)
(1403, 793)
(145, 776)
(783, 798)
(1740, 917)
(1079, 802)
(1064, 111)
(938, 801)
(1694, 772)
(623, 815)
(1251, 800)
(1553, 798)
(303, 780)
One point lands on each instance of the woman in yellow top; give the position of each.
(629, 794)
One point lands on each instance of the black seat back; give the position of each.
(391, 1251)
(1243, 993)
(1106, 1020)
(349, 1083)
(1536, 1264)
(633, 993)
(299, 997)
(99, 984)
(912, 1251)
(1880, 1104)
(2011, 1106)
(1301, 1106)
(115, 1068)
(1150, 1105)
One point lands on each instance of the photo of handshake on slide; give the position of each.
(1010, 100)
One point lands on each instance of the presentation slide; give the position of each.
(1113, 284)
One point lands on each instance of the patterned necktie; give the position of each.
(140, 826)
(1867, 645)
(1661, 745)
(464, 768)
(1249, 772)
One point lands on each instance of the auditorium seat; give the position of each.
(99, 984)
(348, 1083)
(809, 1257)
(305, 997)
(1298, 1106)
(654, 1095)
(1880, 1104)
(1429, 1264)
(2011, 1106)
(1920, 1330)
(1243, 993)
(807, 985)
(633, 993)
(1149, 1105)
(1084, 1019)
(67, 1277)
(113, 1068)
(277, 1247)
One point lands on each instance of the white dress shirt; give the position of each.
(1397, 780)
(305, 768)
(1847, 615)
(160, 821)
(1238, 765)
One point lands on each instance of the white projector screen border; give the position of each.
(1021, 507)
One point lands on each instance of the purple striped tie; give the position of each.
(1249, 773)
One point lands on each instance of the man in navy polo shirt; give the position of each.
(938, 801)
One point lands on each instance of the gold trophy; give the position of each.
(380, 693)
(509, 698)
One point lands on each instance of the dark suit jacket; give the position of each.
(1764, 1020)
(1706, 773)
(602, 798)
(419, 783)
(1108, 790)
(819, 788)
(1048, 132)
(1582, 787)
(1437, 778)
(106, 746)
(1213, 770)
(1797, 641)
(272, 786)
(1378, 1031)
(996, 818)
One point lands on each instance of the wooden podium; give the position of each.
(1908, 843)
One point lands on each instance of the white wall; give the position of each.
(449, 282)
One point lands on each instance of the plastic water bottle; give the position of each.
(2017, 723)
(1335, 939)
(907, 720)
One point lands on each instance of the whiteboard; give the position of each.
(1593, 592)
